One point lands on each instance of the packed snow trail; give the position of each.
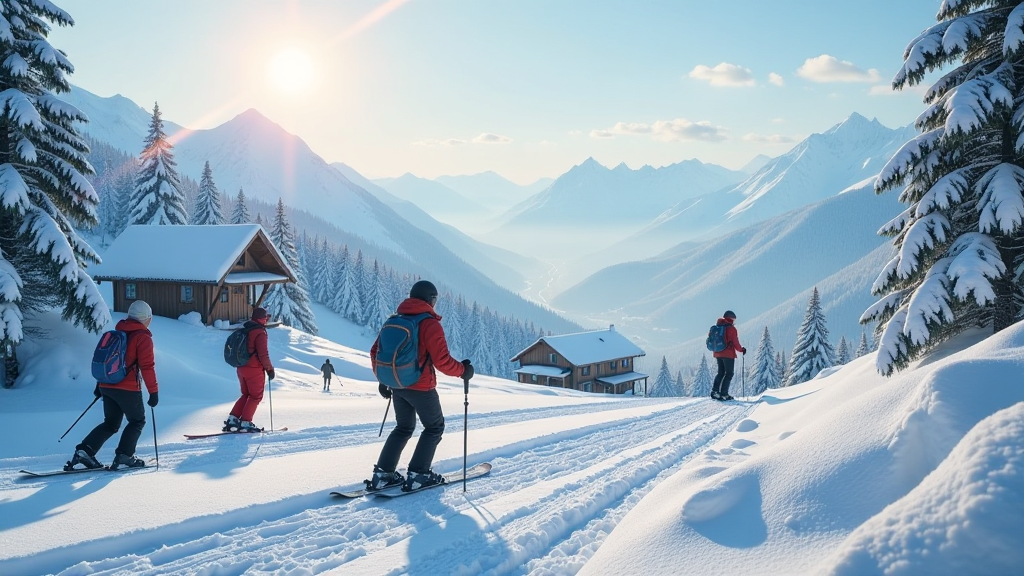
(545, 508)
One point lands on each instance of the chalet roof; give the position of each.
(198, 254)
(583, 348)
(614, 379)
(550, 371)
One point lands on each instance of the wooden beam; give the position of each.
(213, 302)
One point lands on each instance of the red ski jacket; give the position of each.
(732, 339)
(256, 342)
(139, 358)
(433, 348)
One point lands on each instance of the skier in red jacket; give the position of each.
(726, 358)
(419, 399)
(124, 399)
(251, 375)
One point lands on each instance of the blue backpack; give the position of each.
(396, 364)
(716, 338)
(108, 360)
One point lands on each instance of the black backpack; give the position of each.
(397, 364)
(236, 349)
(716, 338)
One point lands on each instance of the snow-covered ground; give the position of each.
(850, 473)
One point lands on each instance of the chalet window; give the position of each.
(588, 386)
(554, 358)
(129, 291)
(237, 289)
(224, 295)
(186, 293)
(625, 362)
(241, 260)
(613, 365)
(533, 378)
(585, 370)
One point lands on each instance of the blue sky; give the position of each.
(526, 88)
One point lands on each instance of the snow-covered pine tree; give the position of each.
(960, 249)
(664, 384)
(812, 352)
(454, 319)
(324, 275)
(157, 198)
(766, 369)
(842, 352)
(703, 380)
(289, 302)
(355, 310)
(680, 383)
(240, 213)
(783, 368)
(343, 275)
(43, 187)
(207, 210)
(862, 348)
(377, 307)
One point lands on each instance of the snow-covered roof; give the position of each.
(550, 371)
(583, 348)
(253, 278)
(200, 254)
(620, 378)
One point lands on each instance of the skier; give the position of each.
(420, 399)
(327, 369)
(124, 399)
(250, 376)
(726, 358)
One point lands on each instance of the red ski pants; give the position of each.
(251, 380)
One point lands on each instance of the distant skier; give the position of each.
(251, 375)
(727, 357)
(327, 369)
(420, 399)
(124, 399)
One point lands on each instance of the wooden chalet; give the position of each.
(596, 361)
(221, 272)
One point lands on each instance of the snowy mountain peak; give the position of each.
(856, 123)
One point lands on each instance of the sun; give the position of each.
(292, 71)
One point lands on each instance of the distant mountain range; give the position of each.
(255, 154)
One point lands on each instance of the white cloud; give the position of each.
(776, 79)
(827, 68)
(436, 142)
(488, 138)
(778, 120)
(676, 130)
(724, 74)
(769, 138)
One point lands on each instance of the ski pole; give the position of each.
(270, 395)
(156, 448)
(79, 418)
(385, 418)
(743, 373)
(465, 433)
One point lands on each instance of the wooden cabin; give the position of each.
(599, 361)
(221, 272)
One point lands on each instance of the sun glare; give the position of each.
(291, 71)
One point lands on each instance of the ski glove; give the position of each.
(744, 350)
(270, 374)
(154, 399)
(96, 391)
(385, 392)
(468, 372)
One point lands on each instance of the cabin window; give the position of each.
(585, 370)
(223, 294)
(186, 293)
(613, 365)
(625, 362)
(241, 260)
(129, 291)
(238, 289)
(554, 358)
(533, 378)
(588, 386)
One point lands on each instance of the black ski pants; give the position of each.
(408, 405)
(118, 404)
(724, 376)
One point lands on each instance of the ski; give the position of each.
(260, 431)
(32, 474)
(449, 479)
(395, 491)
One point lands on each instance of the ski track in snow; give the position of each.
(545, 509)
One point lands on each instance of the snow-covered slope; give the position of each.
(670, 300)
(591, 206)
(116, 120)
(821, 166)
(434, 198)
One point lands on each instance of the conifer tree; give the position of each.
(703, 380)
(343, 296)
(289, 302)
(766, 369)
(44, 193)
(842, 352)
(960, 248)
(680, 383)
(377, 308)
(862, 348)
(664, 384)
(812, 352)
(780, 368)
(207, 210)
(355, 311)
(157, 198)
(324, 275)
(240, 214)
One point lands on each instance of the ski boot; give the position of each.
(417, 480)
(249, 427)
(381, 479)
(83, 457)
(231, 424)
(128, 461)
